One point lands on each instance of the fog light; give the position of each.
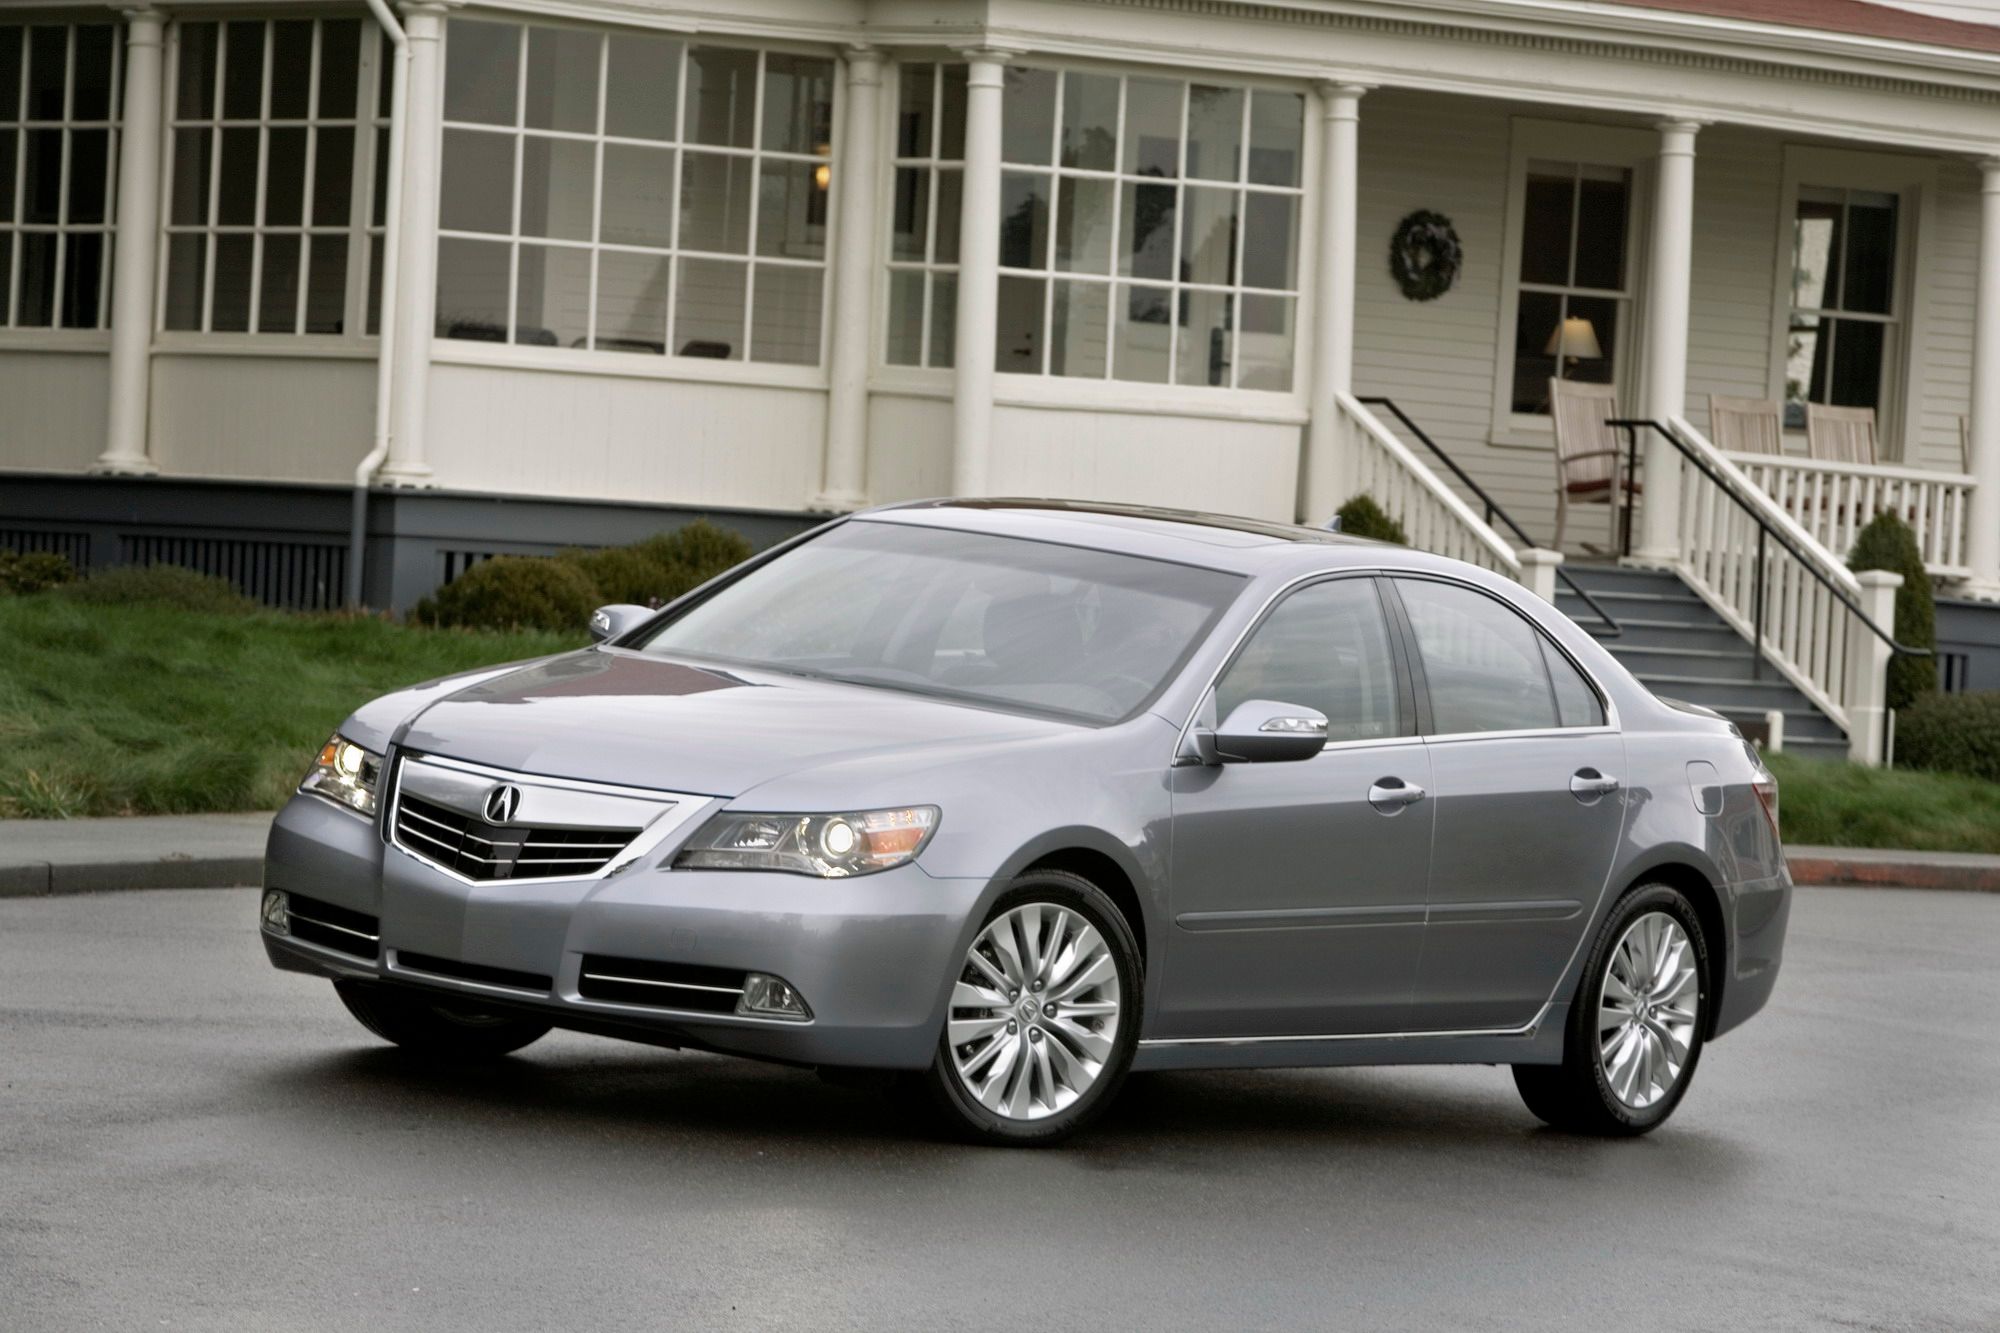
(277, 912)
(771, 997)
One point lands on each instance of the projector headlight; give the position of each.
(346, 773)
(830, 846)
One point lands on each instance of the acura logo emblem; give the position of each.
(502, 803)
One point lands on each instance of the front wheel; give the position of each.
(442, 1028)
(1044, 1015)
(1635, 1030)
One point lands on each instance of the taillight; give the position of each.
(1766, 788)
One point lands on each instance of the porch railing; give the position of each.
(1834, 501)
(1432, 515)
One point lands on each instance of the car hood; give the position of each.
(620, 717)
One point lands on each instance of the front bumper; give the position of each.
(872, 955)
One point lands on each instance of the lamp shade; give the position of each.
(1574, 337)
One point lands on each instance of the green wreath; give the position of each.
(1425, 254)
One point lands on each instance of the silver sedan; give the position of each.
(1001, 800)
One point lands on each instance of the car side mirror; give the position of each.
(608, 622)
(1263, 731)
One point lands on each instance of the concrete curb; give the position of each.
(1871, 868)
(42, 879)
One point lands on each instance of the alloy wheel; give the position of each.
(1647, 1013)
(1035, 1011)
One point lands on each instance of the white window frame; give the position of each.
(1596, 145)
(669, 365)
(886, 263)
(17, 227)
(1913, 180)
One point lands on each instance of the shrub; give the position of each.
(514, 592)
(167, 586)
(627, 574)
(1952, 733)
(1887, 543)
(696, 553)
(1362, 517)
(33, 571)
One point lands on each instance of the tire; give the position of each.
(1009, 1072)
(445, 1029)
(1622, 1079)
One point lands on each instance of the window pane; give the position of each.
(798, 104)
(333, 176)
(708, 309)
(41, 171)
(90, 86)
(950, 186)
(378, 203)
(1857, 364)
(1815, 247)
(89, 151)
(715, 204)
(1146, 245)
(638, 196)
(8, 140)
(1152, 127)
(1276, 137)
(910, 211)
(1536, 320)
(340, 67)
(1601, 316)
(196, 75)
(1028, 116)
(1868, 280)
(476, 191)
(1018, 346)
(285, 176)
(1264, 342)
(291, 69)
(10, 73)
(1270, 241)
(37, 307)
(791, 211)
(1577, 705)
(187, 265)
(558, 187)
(642, 91)
(951, 113)
(916, 116)
(1024, 219)
(944, 319)
(1482, 662)
(326, 286)
(48, 59)
(562, 80)
(6, 263)
(1083, 224)
(1203, 330)
(242, 73)
(1600, 229)
(905, 345)
(785, 315)
(1140, 347)
(1325, 647)
(83, 279)
(721, 97)
(482, 71)
(278, 297)
(472, 290)
(552, 303)
(632, 293)
(229, 311)
(1215, 133)
(1804, 372)
(374, 284)
(1208, 238)
(236, 194)
(1090, 121)
(1545, 223)
(1080, 328)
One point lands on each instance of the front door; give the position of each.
(1298, 888)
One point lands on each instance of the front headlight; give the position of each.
(346, 773)
(826, 845)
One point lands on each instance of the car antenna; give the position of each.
(1333, 524)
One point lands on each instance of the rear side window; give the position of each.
(1577, 705)
(1325, 646)
(1484, 663)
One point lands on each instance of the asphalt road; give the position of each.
(191, 1140)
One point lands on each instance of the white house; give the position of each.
(547, 272)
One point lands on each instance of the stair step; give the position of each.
(1710, 663)
(1801, 724)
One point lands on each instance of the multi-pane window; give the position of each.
(1149, 229)
(1843, 321)
(58, 166)
(924, 218)
(273, 129)
(638, 194)
(1575, 287)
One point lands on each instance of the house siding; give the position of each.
(52, 409)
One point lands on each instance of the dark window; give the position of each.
(1326, 647)
(1575, 218)
(1482, 661)
(1843, 299)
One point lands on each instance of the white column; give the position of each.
(1983, 537)
(1667, 337)
(978, 276)
(416, 278)
(138, 242)
(1867, 700)
(1323, 476)
(844, 475)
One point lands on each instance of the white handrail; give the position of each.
(1834, 501)
(1432, 514)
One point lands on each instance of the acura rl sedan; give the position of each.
(1007, 799)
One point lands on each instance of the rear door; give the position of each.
(1526, 776)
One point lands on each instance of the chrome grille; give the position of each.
(477, 850)
(708, 990)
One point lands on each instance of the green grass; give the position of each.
(1844, 805)
(109, 710)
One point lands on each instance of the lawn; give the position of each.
(1844, 805)
(108, 710)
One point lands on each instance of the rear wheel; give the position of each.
(1635, 1029)
(444, 1028)
(1044, 1015)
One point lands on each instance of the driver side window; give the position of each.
(1325, 646)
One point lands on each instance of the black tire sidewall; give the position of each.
(962, 1111)
(1584, 1067)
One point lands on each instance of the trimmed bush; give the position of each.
(1887, 543)
(627, 574)
(1952, 733)
(168, 586)
(33, 571)
(1362, 517)
(697, 552)
(514, 592)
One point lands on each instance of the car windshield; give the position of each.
(999, 621)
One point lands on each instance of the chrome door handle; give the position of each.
(1589, 784)
(1391, 794)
